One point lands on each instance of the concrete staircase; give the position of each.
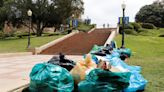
(80, 43)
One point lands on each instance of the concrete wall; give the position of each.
(80, 43)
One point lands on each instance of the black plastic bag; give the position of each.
(62, 61)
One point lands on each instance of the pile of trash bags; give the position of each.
(103, 69)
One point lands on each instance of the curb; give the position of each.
(2, 55)
(19, 89)
(91, 30)
(112, 35)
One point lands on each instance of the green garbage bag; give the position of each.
(126, 51)
(96, 48)
(46, 77)
(100, 80)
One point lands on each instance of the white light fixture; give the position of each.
(73, 15)
(123, 5)
(29, 13)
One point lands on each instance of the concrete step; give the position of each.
(80, 43)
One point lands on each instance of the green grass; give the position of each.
(151, 32)
(20, 45)
(144, 32)
(85, 27)
(148, 52)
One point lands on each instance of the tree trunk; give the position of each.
(39, 32)
(39, 29)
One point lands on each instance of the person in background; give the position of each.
(103, 25)
(108, 25)
(62, 28)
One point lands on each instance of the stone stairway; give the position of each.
(80, 43)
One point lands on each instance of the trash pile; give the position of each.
(103, 69)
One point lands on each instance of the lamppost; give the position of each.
(123, 24)
(29, 13)
(73, 16)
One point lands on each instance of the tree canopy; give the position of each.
(153, 13)
(1, 3)
(45, 13)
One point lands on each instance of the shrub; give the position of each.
(142, 30)
(136, 26)
(48, 34)
(85, 27)
(130, 31)
(6, 35)
(129, 26)
(20, 34)
(161, 35)
(1, 34)
(148, 32)
(148, 26)
(1, 27)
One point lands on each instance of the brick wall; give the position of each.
(80, 43)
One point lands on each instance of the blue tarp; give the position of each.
(137, 82)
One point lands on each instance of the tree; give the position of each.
(65, 8)
(78, 8)
(1, 3)
(47, 13)
(153, 13)
(5, 11)
(39, 11)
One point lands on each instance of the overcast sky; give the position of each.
(107, 11)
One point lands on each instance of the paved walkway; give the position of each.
(14, 71)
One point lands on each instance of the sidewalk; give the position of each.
(15, 71)
(2, 55)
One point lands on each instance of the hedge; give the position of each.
(148, 26)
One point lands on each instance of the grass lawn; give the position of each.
(85, 27)
(148, 52)
(20, 45)
(152, 32)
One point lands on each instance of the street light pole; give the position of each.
(29, 13)
(123, 25)
(73, 21)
